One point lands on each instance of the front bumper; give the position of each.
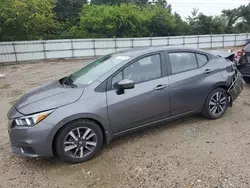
(237, 86)
(31, 141)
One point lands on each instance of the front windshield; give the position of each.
(95, 70)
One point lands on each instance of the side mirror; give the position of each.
(125, 84)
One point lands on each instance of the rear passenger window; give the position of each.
(202, 59)
(182, 61)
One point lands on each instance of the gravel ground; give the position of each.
(191, 152)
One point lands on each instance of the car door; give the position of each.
(188, 90)
(147, 102)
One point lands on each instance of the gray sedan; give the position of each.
(121, 92)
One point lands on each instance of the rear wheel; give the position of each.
(216, 104)
(246, 79)
(79, 141)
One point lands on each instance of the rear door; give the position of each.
(147, 102)
(188, 85)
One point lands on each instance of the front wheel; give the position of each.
(79, 141)
(216, 104)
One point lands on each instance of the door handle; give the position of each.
(160, 87)
(208, 71)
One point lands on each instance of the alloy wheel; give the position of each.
(80, 142)
(217, 103)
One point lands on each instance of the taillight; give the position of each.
(235, 59)
(241, 53)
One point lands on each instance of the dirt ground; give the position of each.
(192, 152)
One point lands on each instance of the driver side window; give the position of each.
(145, 69)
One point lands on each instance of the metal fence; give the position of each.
(77, 48)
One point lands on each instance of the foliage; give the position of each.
(160, 21)
(202, 24)
(26, 19)
(58, 19)
(68, 10)
(118, 2)
(126, 20)
(238, 19)
(181, 26)
(109, 21)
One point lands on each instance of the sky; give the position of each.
(208, 7)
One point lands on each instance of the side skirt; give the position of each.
(154, 123)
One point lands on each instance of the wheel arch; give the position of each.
(223, 85)
(106, 131)
(205, 110)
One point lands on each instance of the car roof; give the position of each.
(144, 50)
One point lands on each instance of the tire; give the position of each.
(246, 79)
(74, 148)
(214, 109)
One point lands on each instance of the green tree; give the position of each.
(246, 13)
(162, 3)
(127, 20)
(202, 24)
(160, 21)
(244, 25)
(181, 27)
(219, 25)
(139, 2)
(232, 15)
(241, 27)
(26, 19)
(118, 2)
(36, 19)
(110, 21)
(192, 19)
(68, 10)
(239, 16)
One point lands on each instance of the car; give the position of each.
(119, 93)
(227, 54)
(247, 42)
(243, 63)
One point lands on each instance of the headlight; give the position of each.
(32, 119)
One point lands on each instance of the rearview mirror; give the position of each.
(125, 84)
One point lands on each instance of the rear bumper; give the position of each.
(237, 86)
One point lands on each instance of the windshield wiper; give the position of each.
(71, 84)
(67, 82)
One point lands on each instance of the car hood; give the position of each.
(47, 97)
